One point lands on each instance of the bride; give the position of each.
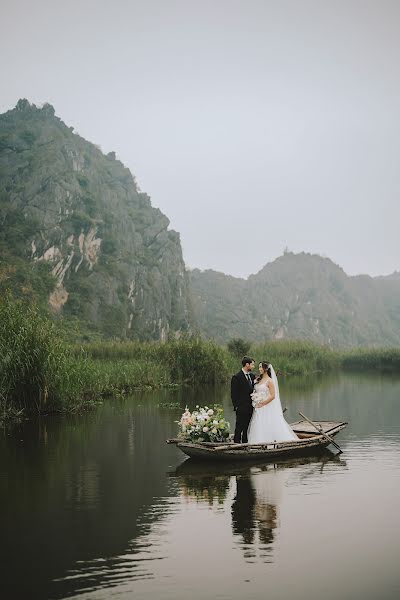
(268, 423)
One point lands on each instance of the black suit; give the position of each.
(241, 400)
(243, 509)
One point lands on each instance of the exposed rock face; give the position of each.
(78, 234)
(299, 296)
(79, 220)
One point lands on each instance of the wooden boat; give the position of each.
(310, 442)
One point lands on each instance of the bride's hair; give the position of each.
(267, 369)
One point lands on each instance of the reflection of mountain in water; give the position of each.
(81, 491)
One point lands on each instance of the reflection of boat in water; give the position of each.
(211, 482)
(195, 468)
(308, 443)
(255, 493)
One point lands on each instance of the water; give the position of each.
(98, 506)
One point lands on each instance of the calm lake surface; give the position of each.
(98, 506)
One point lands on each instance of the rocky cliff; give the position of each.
(78, 235)
(299, 296)
(76, 232)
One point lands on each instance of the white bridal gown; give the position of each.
(268, 423)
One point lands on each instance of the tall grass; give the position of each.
(296, 357)
(37, 371)
(121, 376)
(190, 360)
(371, 359)
(40, 373)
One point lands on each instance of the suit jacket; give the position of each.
(240, 390)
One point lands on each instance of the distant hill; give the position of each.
(299, 296)
(77, 233)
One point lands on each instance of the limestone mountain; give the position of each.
(77, 232)
(299, 296)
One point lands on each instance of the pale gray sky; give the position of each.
(252, 124)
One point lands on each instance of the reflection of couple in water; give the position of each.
(255, 507)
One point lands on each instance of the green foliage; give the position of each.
(296, 357)
(29, 137)
(187, 360)
(23, 104)
(112, 319)
(83, 181)
(36, 371)
(109, 246)
(372, 359)
(80, 221)
(194, 360)
(15, 230)
(111, 377)
(238, 347)
(90, 204)
(39, 372)
(81, 288)
(28, 281)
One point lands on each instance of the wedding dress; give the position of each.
(268, 486)
(268, 423)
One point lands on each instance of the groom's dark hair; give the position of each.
(246, 360)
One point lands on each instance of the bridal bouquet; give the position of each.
(204, 425)
(257, 397)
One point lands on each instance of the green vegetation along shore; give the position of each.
(41, 373)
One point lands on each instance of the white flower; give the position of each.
(213, 430)
(215, 422)
(205, 429)
(210, 412)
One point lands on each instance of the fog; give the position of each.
(254, 125)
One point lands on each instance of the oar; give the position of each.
(321, 431)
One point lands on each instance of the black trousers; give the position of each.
(243, 416)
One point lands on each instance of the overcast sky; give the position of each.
(254, 125)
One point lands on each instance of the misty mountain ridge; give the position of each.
(78, 235)
(300, 296)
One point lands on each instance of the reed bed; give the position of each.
(39, 372)
(189, 360)
(296, 357)
(372, 359)
(114, 377)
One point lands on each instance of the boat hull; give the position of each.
(311, 444)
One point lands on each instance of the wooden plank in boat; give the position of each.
(304, 427)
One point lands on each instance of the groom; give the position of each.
(242, 385)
